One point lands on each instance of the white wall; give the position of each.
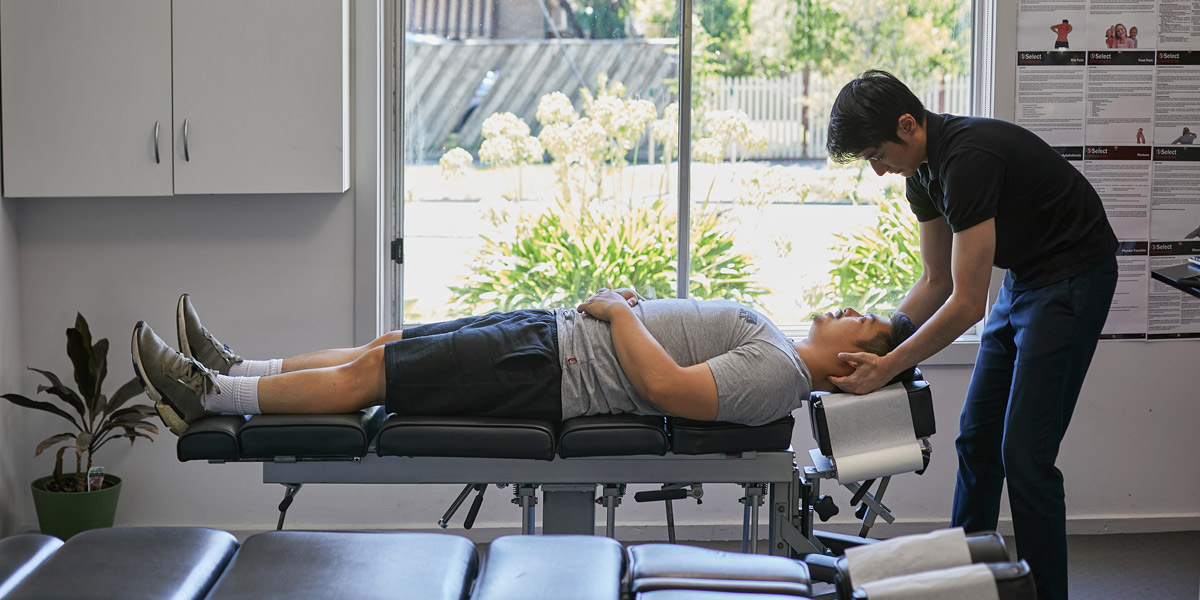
(13, 449)
(274, 275)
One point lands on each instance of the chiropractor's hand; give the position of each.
(606, 303)
(870, 373)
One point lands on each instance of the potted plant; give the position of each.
(69, 503)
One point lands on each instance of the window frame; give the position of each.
(382, 310)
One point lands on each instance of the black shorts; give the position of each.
(496, 365)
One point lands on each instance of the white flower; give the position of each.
(454, 163)
(604, 109)
(504, 124)
(587, 140)
(734, 126)
(529, 149)
(666, 129)
(556, 138)
(555, 107)
(642, 110)
(709, 150)
(628, 125)
(498, 150)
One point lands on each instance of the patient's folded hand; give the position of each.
(605, 303)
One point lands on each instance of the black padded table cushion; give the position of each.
(669, 566)
(536, 567)
(1014, 581)
(984, 547)
(709, 437)
(467, 437)
(265, 437)
(21, 554)
(322, 564)
(613, 435)
(709, 595)
(315, 436)
(211, 438)
(175, 563)
(920, 402)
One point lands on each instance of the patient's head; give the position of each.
(850, 331)
(847, 330)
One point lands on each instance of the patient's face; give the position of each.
(840, 330)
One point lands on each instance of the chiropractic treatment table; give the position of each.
(569, 461)
(193, 563)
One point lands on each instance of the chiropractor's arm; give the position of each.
(972, 254)
(936, 282)
(689, 392)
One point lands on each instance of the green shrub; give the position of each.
(563, 255)
(877, 264)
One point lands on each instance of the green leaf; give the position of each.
(63, 392)
(20, 400)
(131, 389)
(83, 359)
(100, 351)
(51, 441)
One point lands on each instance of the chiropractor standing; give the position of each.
(987, 192)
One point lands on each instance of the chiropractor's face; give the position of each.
(901, 158)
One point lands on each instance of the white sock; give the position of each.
(256, 368)
(238, 395)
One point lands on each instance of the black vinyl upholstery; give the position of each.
(20, 555)
(920, 402)
(552, 566)
(707, 437)
(467, 437)
(984, 547)
(151, 563)
(318, 565)
(595, 436)
(1014, 581)
(667, 566)
(195, 563)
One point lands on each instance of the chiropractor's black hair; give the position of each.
(901, 329)
(866, 112)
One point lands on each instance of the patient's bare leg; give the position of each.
(341, 388)
(337, 356)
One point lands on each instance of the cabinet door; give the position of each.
(84, 85)
(261, 100)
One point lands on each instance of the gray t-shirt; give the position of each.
(759, 375)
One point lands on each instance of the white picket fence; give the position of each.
(776, 107)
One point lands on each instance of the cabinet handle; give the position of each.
(156, 159)
(186, 157)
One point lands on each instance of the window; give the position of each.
(542, 144)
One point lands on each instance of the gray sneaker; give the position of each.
(174, 382)
(196, 342)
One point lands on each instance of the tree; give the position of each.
(908, 38)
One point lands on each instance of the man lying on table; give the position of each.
(615, 353)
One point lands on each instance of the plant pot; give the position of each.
(64, 514)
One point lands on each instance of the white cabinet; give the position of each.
(85, 85)
(246, 96)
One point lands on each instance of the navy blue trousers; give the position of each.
(1033, 356)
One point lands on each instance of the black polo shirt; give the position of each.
(1050, 223)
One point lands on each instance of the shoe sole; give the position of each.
(181, 327)
(169, 416)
